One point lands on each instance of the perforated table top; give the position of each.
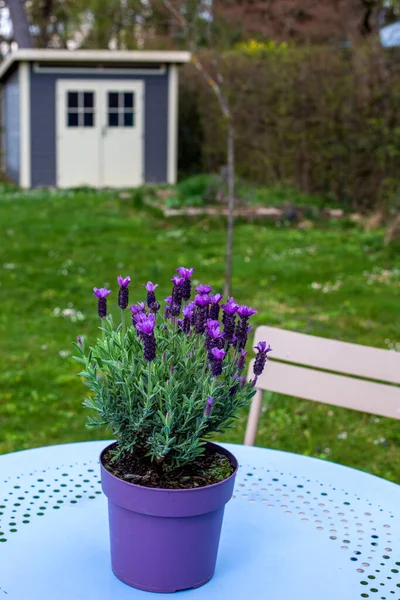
(296, 528)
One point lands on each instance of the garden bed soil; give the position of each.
(208, 469)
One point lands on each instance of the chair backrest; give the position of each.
(337, 373)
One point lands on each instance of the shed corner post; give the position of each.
(25, 125)
(172, 149)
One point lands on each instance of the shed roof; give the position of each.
(127, 57)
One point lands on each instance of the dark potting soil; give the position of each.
(210, 468)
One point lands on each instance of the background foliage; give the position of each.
(320, 120)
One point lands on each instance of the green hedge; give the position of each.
(321, 120)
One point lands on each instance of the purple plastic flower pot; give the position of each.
(165, 540)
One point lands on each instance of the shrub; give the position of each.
(322, 120)
(168, 382)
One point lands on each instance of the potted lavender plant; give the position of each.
(163, 386)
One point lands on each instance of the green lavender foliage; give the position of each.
(158, 408)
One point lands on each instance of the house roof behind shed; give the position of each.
(126, 57)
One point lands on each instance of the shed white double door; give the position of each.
(99, 133)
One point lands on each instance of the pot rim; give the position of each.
(232, 458)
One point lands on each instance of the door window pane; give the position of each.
(73, 119)
(113, 100)
(72, 100)
(80, 109)
(88, 119)
(128, 119)
(88, 99)
(113, 119)
(128, 99)
(121, 111)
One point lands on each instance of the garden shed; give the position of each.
(90, 117)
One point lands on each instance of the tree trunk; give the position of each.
(21, 32)
(231, 206)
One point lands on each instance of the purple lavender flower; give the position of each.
(180, 325)
(207, 410)
(123, 281)
(177, 290)
(229, 319)
(137, 308)
(214, 300)
(138, 312)
(151, 297)
(241, 361)
(261, 357)
(123, 293)
(242, 329)
(230, 307)
(186, 274)
(146, 327)
(188, 312)
(101, 294)
(168, 302)
(217, 356)
(201, 301)
(262, 347)
(151, 287)
(203, 289)
(214, 329)
(245, 312)
(79, 340)
(213, 337)
(146, 324)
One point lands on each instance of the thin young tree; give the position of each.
(195, 19)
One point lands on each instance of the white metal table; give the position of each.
(297, 528)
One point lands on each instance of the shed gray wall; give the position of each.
(43, 124)
(11, 127)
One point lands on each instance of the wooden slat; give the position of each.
(338, 390)
(332, 355)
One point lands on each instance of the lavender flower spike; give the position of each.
(217, 356)
(207, 410)
(123, 293)
(229, 319)
(244, 312)
(214, 300)
(186, 274)
(146, 327)
(261, 357)
(177, 294)
(151, 297)
(188, 312)
(241, 361)
(101, 294)
(201, 301)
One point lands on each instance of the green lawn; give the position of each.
(334, 281)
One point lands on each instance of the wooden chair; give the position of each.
(328, 371)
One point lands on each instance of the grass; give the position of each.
(334, 281)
